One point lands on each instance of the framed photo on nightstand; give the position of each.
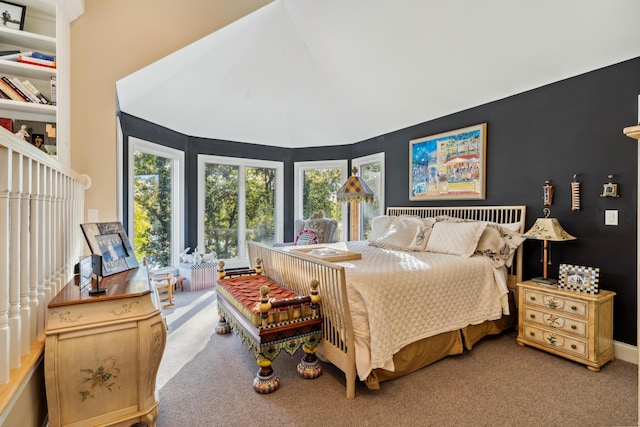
(577, 278)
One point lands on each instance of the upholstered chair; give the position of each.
(314, 230)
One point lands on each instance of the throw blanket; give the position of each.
(398, 297)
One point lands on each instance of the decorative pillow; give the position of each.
(419, 242)
(379, 226)
(456, 238)
(400, 234)
(306, 237)
(319, 226)
(499, 244)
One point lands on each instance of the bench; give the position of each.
(269, 318)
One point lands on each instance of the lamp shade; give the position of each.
(355, 189)
(548, 229)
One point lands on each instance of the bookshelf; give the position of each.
(42, 22)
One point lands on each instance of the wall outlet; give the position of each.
(610, 217)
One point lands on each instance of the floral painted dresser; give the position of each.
(102, 352)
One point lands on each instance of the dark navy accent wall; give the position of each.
(551, 133)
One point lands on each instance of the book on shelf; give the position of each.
(36, 61)
(23, 95)
(25, 91)
(36, 92)
(44, 56)
(9, 91)
(9, 52)
(54, 85)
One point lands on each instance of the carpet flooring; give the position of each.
(206, 379)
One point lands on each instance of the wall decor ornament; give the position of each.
(609, 189)
(547, 193)
(575, 194)
(449, 165)
(578, 278)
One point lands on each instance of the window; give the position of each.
(371, 170)
(239, 200)
(315, 186)
(155, 202)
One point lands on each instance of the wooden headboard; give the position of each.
(497, 214)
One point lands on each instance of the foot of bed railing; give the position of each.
(351, 386)
(266, 380)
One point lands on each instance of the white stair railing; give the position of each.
(41, 208)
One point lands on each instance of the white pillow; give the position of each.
(400, 233)
(419, 242)
(456, 238)
(379, 226)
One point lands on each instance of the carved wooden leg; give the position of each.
(266, 381)
(223, 326)
(309, 367)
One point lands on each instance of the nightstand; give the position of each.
(574, 325)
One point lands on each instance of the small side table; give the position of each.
(574, 325)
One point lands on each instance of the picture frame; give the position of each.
(110, 241)
(12, 15)
(579, 278)
(42, 135)
(85, 271)
(449, 165)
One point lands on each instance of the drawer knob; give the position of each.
(533, 334)
(533, 298)
(573, 307)
(574, 327)
(533, 316)
(573, 346)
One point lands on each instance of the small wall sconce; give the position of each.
(610, 189)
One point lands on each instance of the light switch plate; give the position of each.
(610, 217)
(92, 215)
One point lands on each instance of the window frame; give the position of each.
(365, 161)
(177, 192)
(298, 170)
(242, 163)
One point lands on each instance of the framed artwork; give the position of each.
(449, 165)
(109, 240)
(578, 278)
(85, 270)
(40, 134)
(12, 15)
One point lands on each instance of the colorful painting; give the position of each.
(449, 165)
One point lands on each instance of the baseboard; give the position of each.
(626, 352)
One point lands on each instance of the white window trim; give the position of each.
(204, 159)
(298, 170)
(177, 193)
(359, 162)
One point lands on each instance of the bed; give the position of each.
(399, 306)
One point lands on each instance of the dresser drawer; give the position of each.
(555, 302)
(556, 340)
(556, 321)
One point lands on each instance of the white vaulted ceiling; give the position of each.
(302, 73)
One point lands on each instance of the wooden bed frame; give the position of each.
(295, 271)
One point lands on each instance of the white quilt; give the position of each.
(398, 297)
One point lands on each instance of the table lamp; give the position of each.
(354, 191)
(548, 230)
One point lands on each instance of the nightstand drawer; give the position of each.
(556, 340)
(554, 302)
(555, 321)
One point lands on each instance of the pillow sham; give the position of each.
(419, 242)
(379, 226)
(455, 238)
(499, 244)
(400, 234)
